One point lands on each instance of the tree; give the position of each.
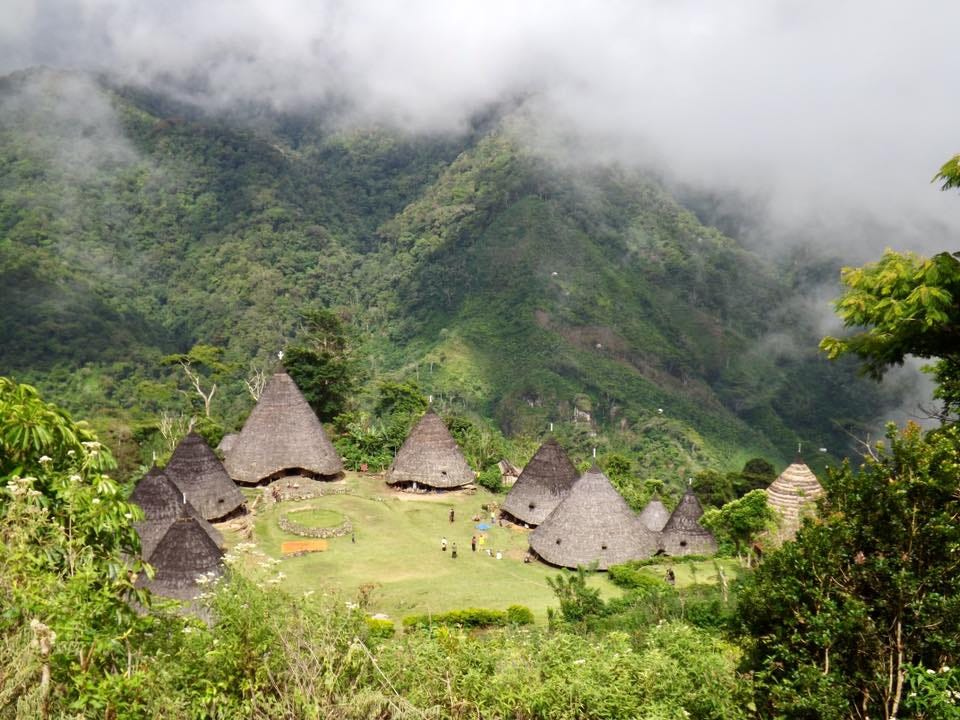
(834, 621)
(757, 474)
(741, 520)
(904, 304)
(713, 487)
(322, 362)
(202, 366)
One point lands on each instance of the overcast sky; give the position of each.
(833, 115)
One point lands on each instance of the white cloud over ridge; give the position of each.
(834, 115)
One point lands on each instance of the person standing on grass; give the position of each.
(443, 544)
(451, 514)
(473, 543)
(453, 551)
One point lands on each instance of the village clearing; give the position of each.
(397, 558)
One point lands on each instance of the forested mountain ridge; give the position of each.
(510, 286)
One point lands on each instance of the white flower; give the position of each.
(75, 478)
(945, 669)
(96, 501)
(128, 516)
(581, 661)
(44, 459)
(187, 629)
(71, 453)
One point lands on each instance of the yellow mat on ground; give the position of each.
(290, 547)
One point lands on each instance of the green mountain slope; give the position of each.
(510, 287)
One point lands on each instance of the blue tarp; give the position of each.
(483, 526)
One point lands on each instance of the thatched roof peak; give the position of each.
(163, 504)
(793, 494)
(683, 534)
(544, 482)
(281, 435)
(185, 552)
(200, 475)
(430, 457)
(593, 523)
(655, 514)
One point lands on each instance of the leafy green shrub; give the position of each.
(380, 629)
(631, 577)
(490, 479)
(519, 615)
(473, 618)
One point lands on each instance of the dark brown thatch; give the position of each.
(185, 552)
(793, 495)
(200, 475)
(593, 523)
(683, 534)
(282, 436)
(655, 515)
(162, 503)
(544, 482)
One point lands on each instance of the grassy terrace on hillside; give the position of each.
(397, 551)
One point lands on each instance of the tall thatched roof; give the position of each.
(200, 475)
(282, 435)
(430, 457)
(185, 552)
(593, 523)
(162, 503)
(544, 482)
(683, 534)
(793, 494)
(226, 442)
(655, 515)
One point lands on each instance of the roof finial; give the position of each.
(184, 496)
(551, 427)
(430, 400)
(799, 448)
(280, 355)
(690, 483)
(594, 453)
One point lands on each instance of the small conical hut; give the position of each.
(186, 552)
(593, 523)
(200, 475)
(793, 495)
(655, 514)
(683, 534)
(281, 437)
(430, 458)
(544, 482)
(162, 503)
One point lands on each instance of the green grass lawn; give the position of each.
(397, 554)
(315, 517)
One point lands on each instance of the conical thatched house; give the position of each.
(430, 458)
(281, 437)
(683, 534)
(162, 503)
(593, 523)
(793, 495)
(544, 482)
(184, 553)
(655, 515)
(200, 475)
(226, 443)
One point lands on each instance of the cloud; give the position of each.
(831, 117)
